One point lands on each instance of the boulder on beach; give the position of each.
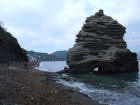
(10, 50)
(100, 44)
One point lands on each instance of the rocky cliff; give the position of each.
(100, 47)
(10, 50)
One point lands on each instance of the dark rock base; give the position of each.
(123, 63)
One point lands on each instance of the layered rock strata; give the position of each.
(10, 50)
(100, 47)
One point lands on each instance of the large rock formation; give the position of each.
(10, 50)
(100, 45)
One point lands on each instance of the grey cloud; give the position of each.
(41, 23)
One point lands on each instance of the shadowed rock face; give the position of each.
(100, 45)
(10, 50)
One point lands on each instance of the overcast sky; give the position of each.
(50, 25)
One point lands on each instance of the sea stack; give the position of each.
(10, 50)
(100, 48)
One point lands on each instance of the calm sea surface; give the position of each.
(113, 89)
(52, 66)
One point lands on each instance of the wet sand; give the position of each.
(21, 85)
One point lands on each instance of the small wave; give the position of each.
(102, 95)
(109, 90)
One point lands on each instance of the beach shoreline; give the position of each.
(26, 86)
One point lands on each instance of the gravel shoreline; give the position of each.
(21, 85)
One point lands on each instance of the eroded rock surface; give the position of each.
(100, 45)
(10, 50)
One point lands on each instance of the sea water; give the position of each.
(112, 89)
(52, 66)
